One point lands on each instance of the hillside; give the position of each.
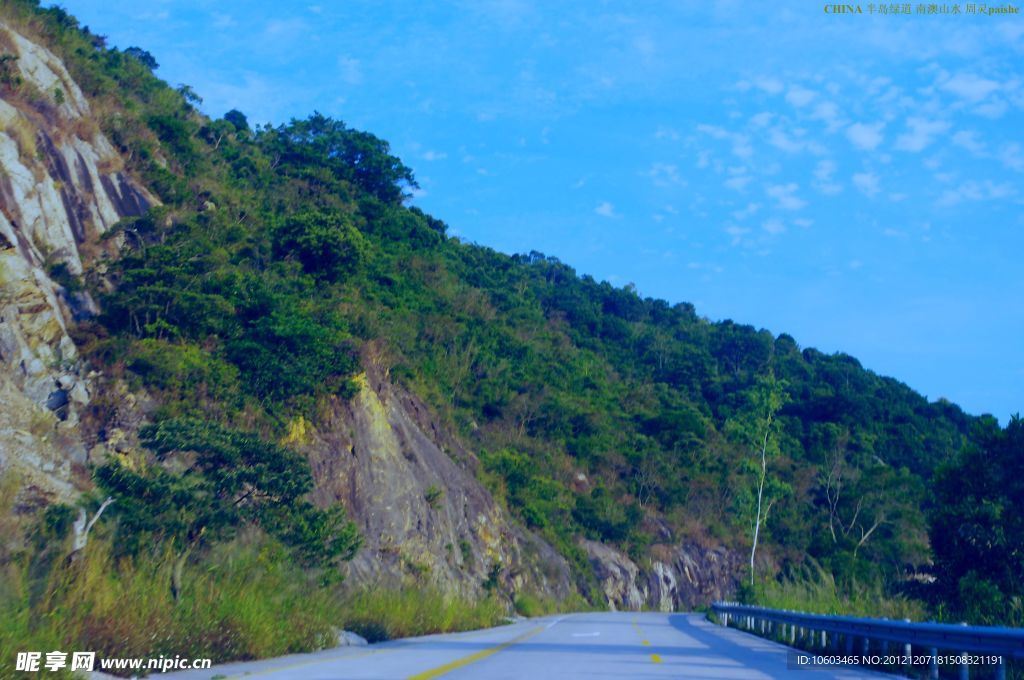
(270, 340)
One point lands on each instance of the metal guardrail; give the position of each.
(860, 634)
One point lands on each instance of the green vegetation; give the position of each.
(242, 600)
(977, 528)
(379, 613)
(810, 588)
(528, 604)
(280, 253)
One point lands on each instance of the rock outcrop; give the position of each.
(61, 187)
(679, 578)
(422, 512)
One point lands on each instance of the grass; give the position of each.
(379, 613)
(815, 591)
(531, 605)
(243, 600)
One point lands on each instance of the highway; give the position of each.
(586, 645)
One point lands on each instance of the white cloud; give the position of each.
(968, 139)
(784, 195)
(773, 226)
(823, 178)
(969, 86)
(803, 222)
(737, 233)
(741, 147)
(737, 183)
(799, 96)
(866, 183)
(287, 29)
(992, 109)
(433, 155)
(223, 20)
(1012, 157)
(828, 112)
(749, 211)
(761, 119)
(665, 175)
(920, 134)
(865, 137)
(350, 70)
(780, 140)
(645, 46)
(713, 131)
(972, 190)
(605, 209)
(769, 85)
(665, 132)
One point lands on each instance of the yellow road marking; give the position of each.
(646, 643)
(466, 660)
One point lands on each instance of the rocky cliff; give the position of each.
(677, 578)
(61, 187)
(411, 488)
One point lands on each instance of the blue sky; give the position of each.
(852, 180)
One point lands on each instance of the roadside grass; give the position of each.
(814, 590)
(531, 605)
(242, 600)
(379, 613)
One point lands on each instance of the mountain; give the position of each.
(228, 330)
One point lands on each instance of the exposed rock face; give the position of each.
(60, 188)
(411, 489)
(687, 576)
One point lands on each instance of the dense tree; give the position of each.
(977, 527)
(210, 483)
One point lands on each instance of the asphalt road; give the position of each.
(587, 645)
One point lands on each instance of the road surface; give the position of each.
(634, 646)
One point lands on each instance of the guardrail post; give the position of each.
(865, 645)
(792, 635)
(933, 664)
(908, 652)
(964, 670)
